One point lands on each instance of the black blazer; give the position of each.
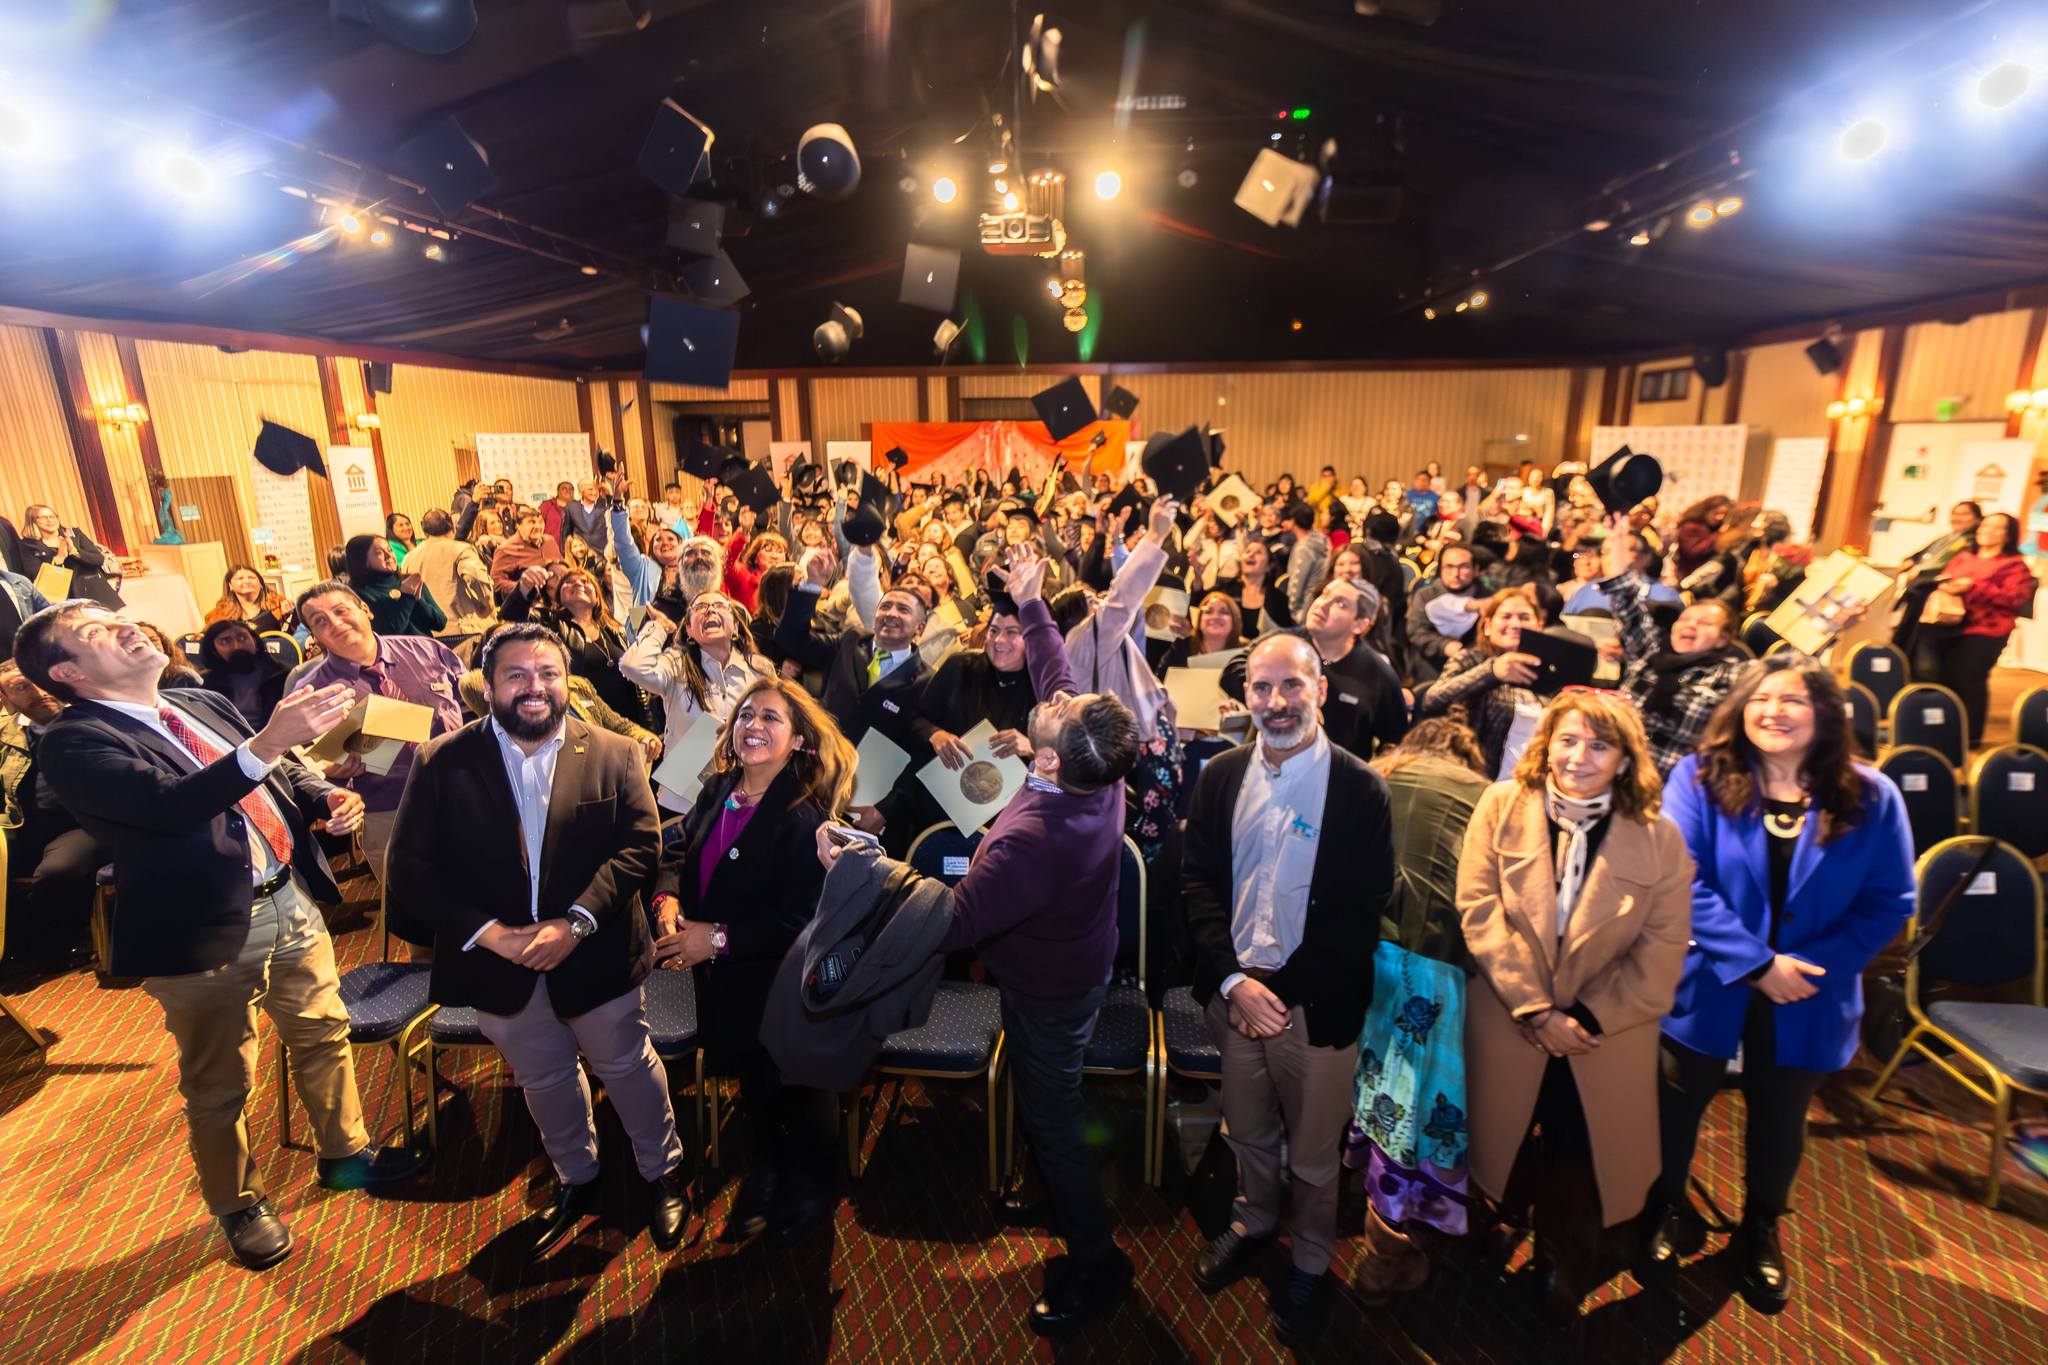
(174, 830)
(457, 862)
(889, 706)
(764, 891)
(86, 560)
(1330, 973)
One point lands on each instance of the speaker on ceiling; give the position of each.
(1825, 355)
(377, 374)
(1711, 364)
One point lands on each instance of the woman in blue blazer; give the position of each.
(1804, 872)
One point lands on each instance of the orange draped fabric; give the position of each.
(950, 448)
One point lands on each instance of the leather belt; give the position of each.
(275, 883)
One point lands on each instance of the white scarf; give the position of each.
(1577, 816)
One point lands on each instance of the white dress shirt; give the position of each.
(532, 776)
(262, 863)
(1274, 834)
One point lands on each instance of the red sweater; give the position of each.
(1998, 589)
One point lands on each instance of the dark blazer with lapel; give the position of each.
(457, 862)
(764, 890)
(177, 836)
(889, 706)
(1330, 973)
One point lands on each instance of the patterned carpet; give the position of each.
(108, 1255)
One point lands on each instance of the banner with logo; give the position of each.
(358, 493)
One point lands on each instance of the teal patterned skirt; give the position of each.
(1408, 1128)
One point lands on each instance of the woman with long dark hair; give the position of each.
(574, 607)
(400, 604)
(1488, 684)
(245, 597)
(1994, 585)
(730, 898)
(399, 535)
(1804, 870)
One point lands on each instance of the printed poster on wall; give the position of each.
(1793, 484)
(358, 493)
(535, 461)
(283, 516)
(1698, 461)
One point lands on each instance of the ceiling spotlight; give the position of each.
(2003, 85)
(1861, 140)
(1002, 185)
(380, 238)
(1075, 319)
(1294, 326)
(835, 336)
(351, 223)
(1108, 185)
(183, 173)
(1699, 215)
(1640, 237)
(1478, 299)
(1001, 149)
(433, 252)
(908, 184)
(826, 163)
(1052, 287)
(1729, 207)
(588, 270)
(945, 190)
(1598, 225)
(1188, 177)
(1462, 306)
(1041, 54)
(1010, 202)
(1429, 314)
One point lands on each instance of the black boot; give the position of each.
(759, 1188)
(1670, 1233)
(1761, 1276)
(1077, 1293)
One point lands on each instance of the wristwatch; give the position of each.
(718, 940)
(581, 927)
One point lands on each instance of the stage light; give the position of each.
(1462, 306)
(1298, 115)
(1188, 178)
(1108, 185)
(1294, 326)
(587, 270)
(23, 136)
(181, 172)
(1699, 215)
(1640, 237)
(945, 190)
(1598, 225)
(433, 252)
(1429, 314)
(351, 223)
(1075, 319)
(1010, 202)
(1862, 140)
(1728, 207)
(908, 184)
(1837, 410)
(380, 238)
(1478, 299)
(2003, 85)
(1002, 185)
(1052, 287)
(1856, 407)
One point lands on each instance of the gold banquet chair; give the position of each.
(8, 1007)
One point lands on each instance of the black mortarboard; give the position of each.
(931, 274)
(605, 463)
(1000, 603)
(897, 456)
(756, 490)
(731, 467)
(688, 343)
(701, 461)
(1625, 478)
(715, 279)
(448, 163)
(676, 154)
(804, 474)
(870, 515)
(1178, 464)
(1020, 507)
(694, 226)
(1120, 403)
(1064, 408)
(1129, 497)
(285, 452)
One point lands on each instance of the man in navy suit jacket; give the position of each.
(215, 870)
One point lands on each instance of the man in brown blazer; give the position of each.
(527, 840)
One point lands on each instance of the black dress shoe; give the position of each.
(373, 1165)
(1298, 1307)
(750, 1207)
(804, 1203)
(1224, 1261)
(258, 1236)
(671, 1223)
(1019, 1209)
(572, 1203)
(1761, 1276)
(1077, 1293)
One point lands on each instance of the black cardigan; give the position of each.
(1330, 973)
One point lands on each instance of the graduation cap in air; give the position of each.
(896, 456)
(715, 279)
(689, 343)
(804, 475)
(1064, 408)
(1129, 499)
(605, 463)
(1625, 478)
(870, 515)
(284, 452)
(731, 467)
(755, 489)
(931, 275)
(1177, 464)
(1121, 403)
(1020, 507)
(1000, 603)
(701, 461)
(694, 226)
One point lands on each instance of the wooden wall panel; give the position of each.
(223, 505)
(630, 444)
(36, 464)
(100, 357)
(431, 412)
(842, 408)
(1783, 395)
(602, 435)
(742, 391)
(1974, 362)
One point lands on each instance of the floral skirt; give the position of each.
(1408, 1128)
(1151, 791)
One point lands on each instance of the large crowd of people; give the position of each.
(1448, 924)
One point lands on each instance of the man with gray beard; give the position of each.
(1284, 923)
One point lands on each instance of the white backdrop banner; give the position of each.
(1793, 484)
(783, 455)
(358, 494)
(1698, 461)
(283, 524)
(535, 461)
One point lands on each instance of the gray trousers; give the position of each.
(541, 1050)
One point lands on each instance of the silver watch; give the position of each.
(718, 940)
(581, 927)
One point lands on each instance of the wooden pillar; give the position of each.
(87, 451)
(803, 416)
(1731, 399)
(1610, 380)
(1574, 410)
(338, 419)
(650, 458)
(1625, 397)
(2030, 361)
(1877, 442)
(327, 535)
(145, 432)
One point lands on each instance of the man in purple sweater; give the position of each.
(1039, 904)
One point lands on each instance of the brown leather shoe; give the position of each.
(1393, 1263)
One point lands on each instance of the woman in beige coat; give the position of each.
(1575, 893)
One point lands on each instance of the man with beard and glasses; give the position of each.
(526, 841)
(1283, 927)
(671, 574)
(232, 663)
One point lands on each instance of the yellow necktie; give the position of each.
(875, 669)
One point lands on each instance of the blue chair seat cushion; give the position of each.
(670, 999)
(382, 998)
(958, 1037)
(1123, 1032)
(2013, 1038)
(456, 1026)
(1189, 1048)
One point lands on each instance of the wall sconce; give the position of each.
(367, 421)
(124, 414)
(1854, 407)
(2029, 403)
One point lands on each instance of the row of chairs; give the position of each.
(2006, 796)
(276, 643)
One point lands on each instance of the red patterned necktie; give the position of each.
(259, 811)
